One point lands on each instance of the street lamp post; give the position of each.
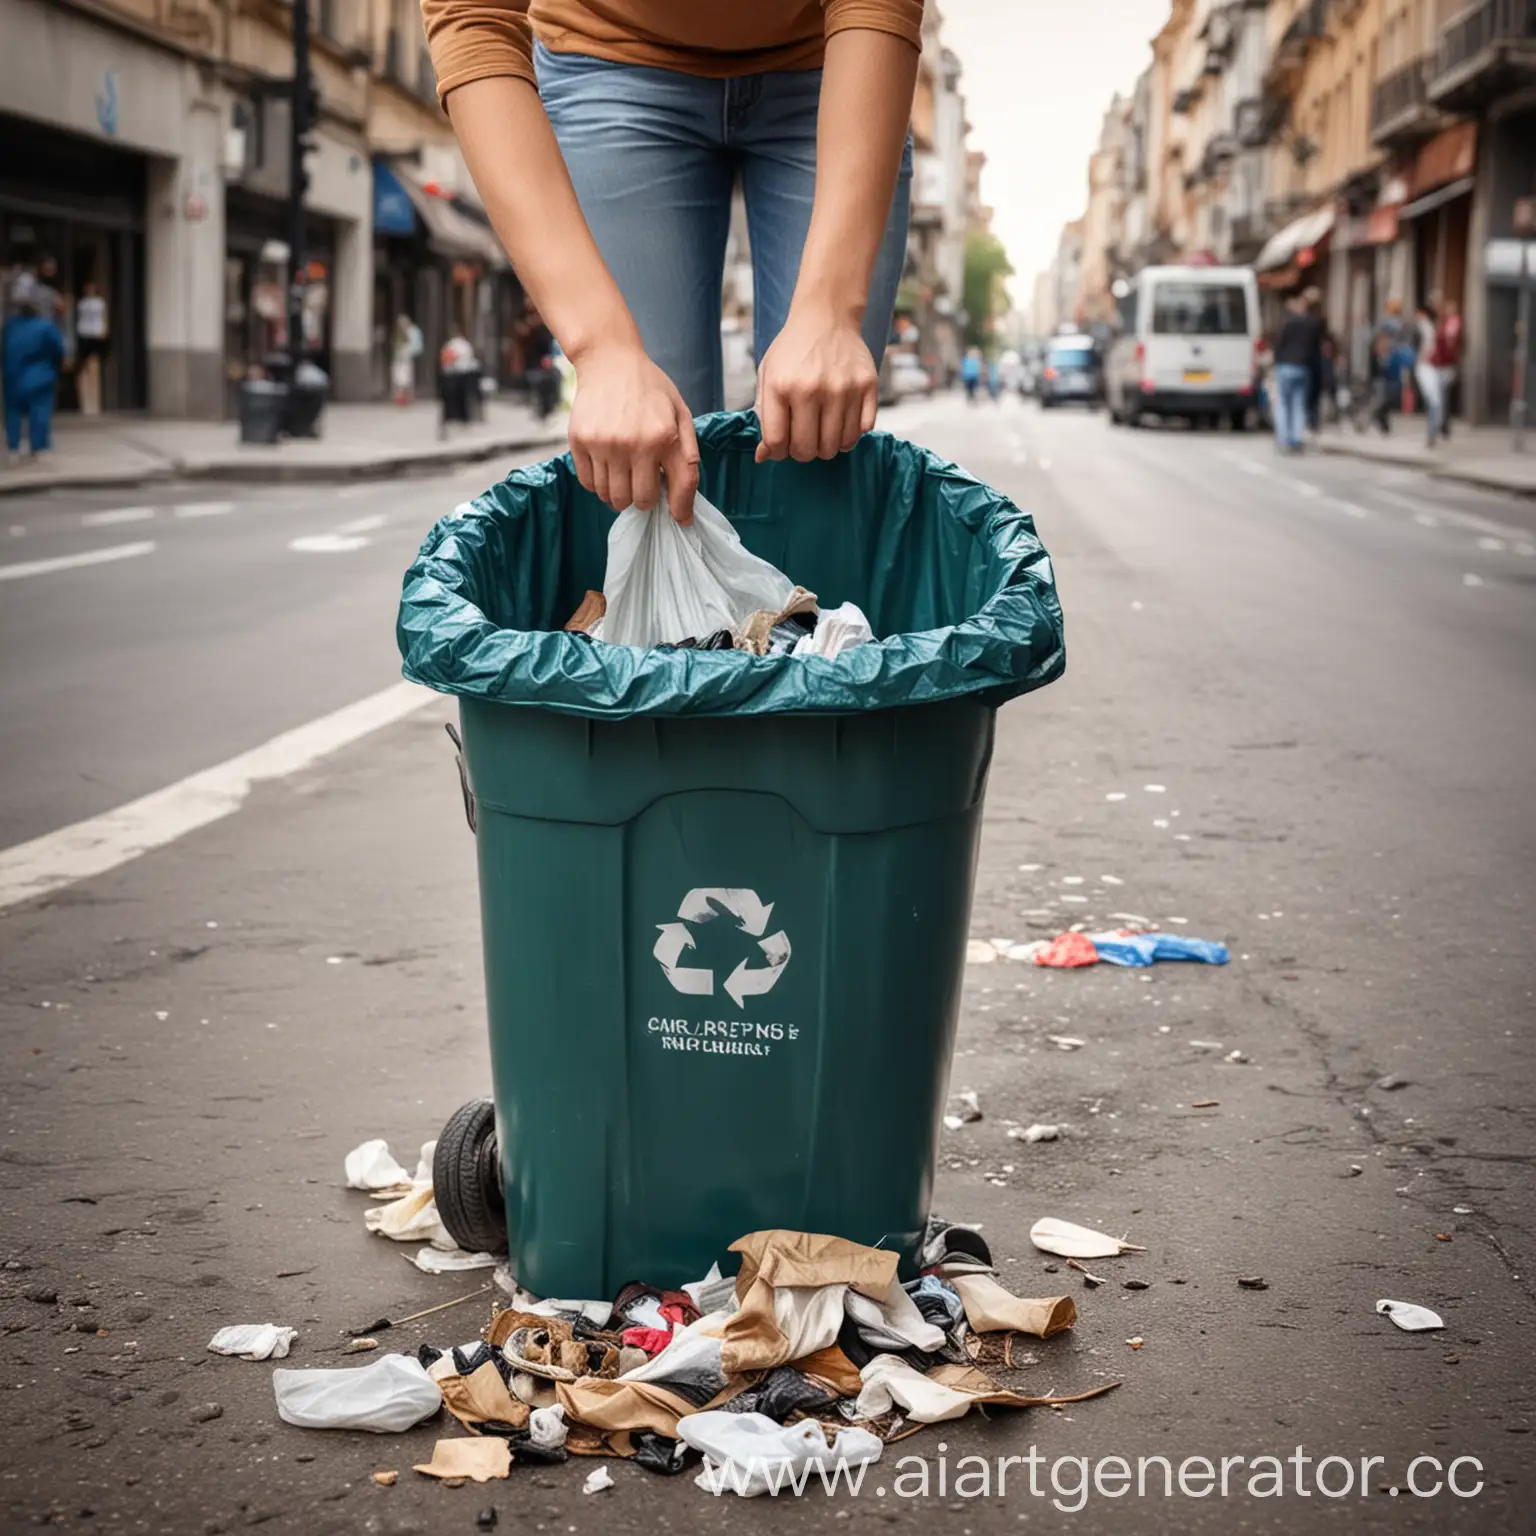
(1525, 227)
(301, 115)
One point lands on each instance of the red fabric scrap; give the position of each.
(651, 1340)
(1067, 950)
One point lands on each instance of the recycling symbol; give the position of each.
(708, 905)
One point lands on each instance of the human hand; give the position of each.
(629, 428)
(816, 388)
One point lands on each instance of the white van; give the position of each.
(1188, 345)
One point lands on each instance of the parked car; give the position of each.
(1188, 346)
(1073, 372)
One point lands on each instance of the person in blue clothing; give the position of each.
(33, 348)
(970, 372)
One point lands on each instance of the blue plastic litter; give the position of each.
(1147, 948)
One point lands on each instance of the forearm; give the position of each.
(511, 152)
(866, 102)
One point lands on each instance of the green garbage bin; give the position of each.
(724, 899)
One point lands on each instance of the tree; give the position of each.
(987, 268)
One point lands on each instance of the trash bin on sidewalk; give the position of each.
(725, 899)
(263, 405)
(306, 400)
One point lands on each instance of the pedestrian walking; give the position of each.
(1298, 360)
(405, 347)
(1391, 361)
(1426, 375)
(1312, 300)
(1446, 357)
(91, 334)
(32, 348)
(606, 148)
(970, 373)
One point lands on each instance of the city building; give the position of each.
(144, 149)
(1370, 149)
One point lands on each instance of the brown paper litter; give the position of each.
(481, 1459)
(753, 634)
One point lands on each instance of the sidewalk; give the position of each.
(360, 442)
(1479, 456)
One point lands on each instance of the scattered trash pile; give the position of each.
(698, 588)
(813, 1353)
(1122, 946)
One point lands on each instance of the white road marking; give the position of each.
(100, 843)
(1348, 508)
(205, 509)
(370, 524)
(1470, 580)
(327, 543)
(116, 515)
(71, 562)
(1468, 520)
(352, 492)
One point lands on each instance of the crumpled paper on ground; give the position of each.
(412, 1218)
(372, 1166)
(254, 1341)
(989, 1308)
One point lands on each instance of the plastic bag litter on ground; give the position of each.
(386, 1397)
(1138, 949)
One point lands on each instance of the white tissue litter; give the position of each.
(372, 1167)
(253, 1341)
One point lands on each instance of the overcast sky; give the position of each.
(1038, 76)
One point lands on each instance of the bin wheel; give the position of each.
(466, 1179)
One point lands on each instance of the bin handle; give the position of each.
(458, 757)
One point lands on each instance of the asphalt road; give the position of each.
(1297, 717)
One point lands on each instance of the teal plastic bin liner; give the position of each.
(949, 572)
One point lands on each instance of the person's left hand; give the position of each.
(816, 388)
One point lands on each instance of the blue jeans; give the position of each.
(1292, 381)
(37, 410)
(654, 155)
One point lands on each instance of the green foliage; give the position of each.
(987, 268)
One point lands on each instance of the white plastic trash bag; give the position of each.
(386, 1397)
(667, 583)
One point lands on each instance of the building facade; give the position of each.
(144, 151)
(1370, 149)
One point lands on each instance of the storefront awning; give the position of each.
(449, 232)
(1300, 235)
(1438, 199)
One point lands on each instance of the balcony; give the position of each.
(1401, 111)
(1307, 28)
(1486, 51)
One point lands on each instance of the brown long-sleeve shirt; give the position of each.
(471, 39)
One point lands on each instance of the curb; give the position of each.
(283, 471)
(1456, 474)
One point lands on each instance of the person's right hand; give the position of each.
(629, 427)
